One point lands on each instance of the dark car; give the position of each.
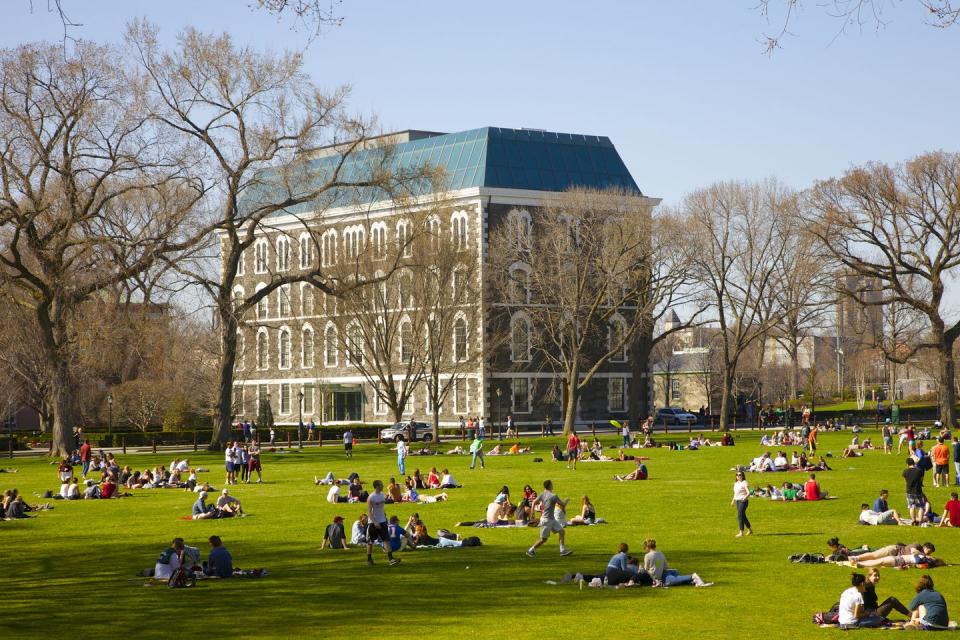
(424, 432)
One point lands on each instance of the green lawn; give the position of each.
(68, 572)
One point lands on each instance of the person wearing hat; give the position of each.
(334, 535)
(228, 506)
(201, 510)
(92, 492)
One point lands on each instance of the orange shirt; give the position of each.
(940, 455)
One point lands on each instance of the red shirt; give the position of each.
(573, 442)
(811, 490)
(84, 452)
(107, 489)
(952, 508)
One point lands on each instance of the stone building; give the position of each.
(292, 345)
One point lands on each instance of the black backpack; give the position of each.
(925, 463)
(472, 541)
(181, 579)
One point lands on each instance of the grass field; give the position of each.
(69, 571)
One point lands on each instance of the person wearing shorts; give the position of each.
(228, 462)
(253, 464)
(573, 450)
(916, 502)
(940, 454)
(548, 502)
(377, 531)
(348, 443)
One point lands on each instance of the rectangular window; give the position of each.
(285, 398)
(521, 395)
(308, 399)
(379, 406)
(263, 395)
(306, 299)
(283, 307)
(460, 404)
(616, 394)
(238, 399)
(240, 263)
(674, 389)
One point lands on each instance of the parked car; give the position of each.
(674, 415)
(424, 432)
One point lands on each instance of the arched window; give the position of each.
(330, 346)
(306, 299)
(520, 338)
(458, 227)
(353, 241)
(406, 341)
(328, 248)
(263, 304)
(404, 244)
(459, 283)
(519, 283)
(240, 263)
(616, 333)
(306, 251)
(284, 346)
(306, 347)
(519, 231)
(283, 301)
(261, 255)
(433, 228)
(405, 290)
(460, 339)
(283, 253)
(378, 233)
(237, 298)
(354, 345)
(263, 350)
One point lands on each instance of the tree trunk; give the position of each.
(639, 401)
(62, 434)
(794, 368)
(436, 421)
(222, 422)
(725, 398)
(573, 396)
(947, 391)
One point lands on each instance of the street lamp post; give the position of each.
(499, 413)
(839, 375)
(300, 423)
(110, 417)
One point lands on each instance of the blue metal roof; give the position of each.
(488, 157)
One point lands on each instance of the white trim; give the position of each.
(460, 315)
(307, 287)
(290, 397)
(326, 346)
(283, 253)
(521, 316)
(305, 241)
(513, 396)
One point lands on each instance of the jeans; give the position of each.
(672, 577)
(617, 576)
(476, 455)
(626, 441)
(742, 521)
(956, 472)
(402, 463)
(86, 466)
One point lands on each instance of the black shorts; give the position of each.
(376, 531)
(348, 446)
(941, 468)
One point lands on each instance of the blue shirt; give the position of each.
(219, 563)
(199, 508)
(396, 533)
(880, 505)
(619, 561)
(936, 607)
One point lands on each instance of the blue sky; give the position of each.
(682, 88)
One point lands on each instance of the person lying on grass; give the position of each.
(899, 549)
(414, 496)
(918, 560)
(840, 551)
(870, 517)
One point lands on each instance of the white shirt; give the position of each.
(228, 454)
(780, 461)
(741, 490)
(333, 494)
(447, 479)
(165, 571)
(849, 600)
(401, 448)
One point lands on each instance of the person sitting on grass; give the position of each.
(169, 560)
(640, 473)
(853, 612)
(655, 564)
(393, 493)
(358, 532)
(397, 537)
(587, 515)
(433, 479)
(556, 455)
(871, 517)
(871, 602)
(456, 451)
(622, 570)
(356, 492)
(418, 482)
(202, 510)
(334, 535)
(812, 490)
(851, 452)
(496, 451)
(507, 508)
(447, 481)
(333, 494)
(928, 608)
(219, 563)
(951, 512)
(70, 490)
(228, 506)
(92, 492)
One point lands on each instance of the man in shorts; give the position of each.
(940, 453)
(548, 502)
(377, 524)
(253, 463)
(573, 449)
(228, 462)
(916, 501)
(348, 442)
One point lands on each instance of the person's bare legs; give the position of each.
(882, 552)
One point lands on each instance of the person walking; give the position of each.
(348, 442)
(402, 455)
(625, 432)
(548, 501)
(741, 498)
(377, 524)
(476, 450)
(573, 449)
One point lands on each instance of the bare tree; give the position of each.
(739, 234)
(258, 125)
(595, 278)
(900, 228)
(856, 14)
(90, 192)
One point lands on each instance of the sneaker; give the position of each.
(395, 562)
(697, 580)
(566, 552)
(531, 553)
(739, 535)
(567, 577)
(749, 532)
(369, 562)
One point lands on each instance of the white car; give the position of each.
(674, 415)
(393, 432)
